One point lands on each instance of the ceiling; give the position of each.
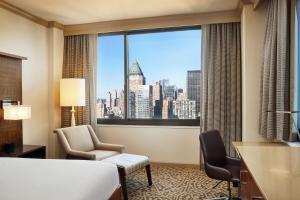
(87, 11)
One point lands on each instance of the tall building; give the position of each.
(164, 83)
(167, 111)
(136, 77)
(121, 102)
(193, 88)
(184, 108)
(108, 100)
(131, 105)
(170, 91)
(144, 102)
(114, 96)
(100, 108)
(157, 100)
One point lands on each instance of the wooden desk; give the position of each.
(271, 170)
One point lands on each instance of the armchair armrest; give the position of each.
(80, 155)
(216, 172)
(233, 161)
(109, 147)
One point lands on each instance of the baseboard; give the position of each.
(177, 164)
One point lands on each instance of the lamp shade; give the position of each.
(72, 92)
(17, 112)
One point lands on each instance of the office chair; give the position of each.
(216, 164)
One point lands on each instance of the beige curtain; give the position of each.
(80, 61)
(275, 79)
(221, 82)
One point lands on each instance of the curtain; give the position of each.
(221, 82)
(80, 61)
(275, 78)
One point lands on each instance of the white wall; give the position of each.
(253, 25)
(23, 37)
(161, 144)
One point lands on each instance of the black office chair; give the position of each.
(217, 165)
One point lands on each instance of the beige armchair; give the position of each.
(81, 142)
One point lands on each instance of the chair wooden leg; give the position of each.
(122, 177)
(148, 171)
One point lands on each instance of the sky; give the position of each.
(163, 55)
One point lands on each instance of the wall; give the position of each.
(253, 25)
(161, 144)
(55, 53)
(25, 38)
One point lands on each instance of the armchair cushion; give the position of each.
(79, 138)
(101, 154)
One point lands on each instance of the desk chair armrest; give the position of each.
(233, 161)
(218, 173)
(110, 147)
(80, 155)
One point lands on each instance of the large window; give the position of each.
(150, 78)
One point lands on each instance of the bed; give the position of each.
(36, 179)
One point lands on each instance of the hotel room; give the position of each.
(152, 99)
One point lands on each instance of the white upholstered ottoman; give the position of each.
(128, 163)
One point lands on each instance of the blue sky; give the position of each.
(164, 55)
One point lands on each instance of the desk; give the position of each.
(271, 170)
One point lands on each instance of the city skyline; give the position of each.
(161, 50)
(159, 100)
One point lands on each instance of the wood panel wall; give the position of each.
(10, 89)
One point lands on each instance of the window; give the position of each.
(150, 78)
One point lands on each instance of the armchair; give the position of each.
(81, 142)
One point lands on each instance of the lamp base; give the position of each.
(73, 123)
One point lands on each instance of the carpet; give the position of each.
(171, 182)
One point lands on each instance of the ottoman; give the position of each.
(128, 163)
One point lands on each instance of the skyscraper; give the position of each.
(193, 88)
(170, 91)
(121, 102)
(167, 112)
(108, 100)
(136, 77)
(157, 100)
(144, 102)
(164, 83)
(114, 97)
(131, 105)
(101, 108)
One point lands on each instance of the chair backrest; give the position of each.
(213, 148)
(79, 138)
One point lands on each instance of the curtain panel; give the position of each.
(275, 76)
(80, 61)
(221, 82)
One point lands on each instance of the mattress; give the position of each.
(36, 179)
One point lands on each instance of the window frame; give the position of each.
(151, 122)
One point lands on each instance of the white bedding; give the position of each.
(35, 179)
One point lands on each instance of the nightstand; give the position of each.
(27, 151)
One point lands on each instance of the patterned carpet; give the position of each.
(173, 183)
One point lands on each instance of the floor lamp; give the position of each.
(72, 93)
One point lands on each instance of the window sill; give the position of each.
(148, 126)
